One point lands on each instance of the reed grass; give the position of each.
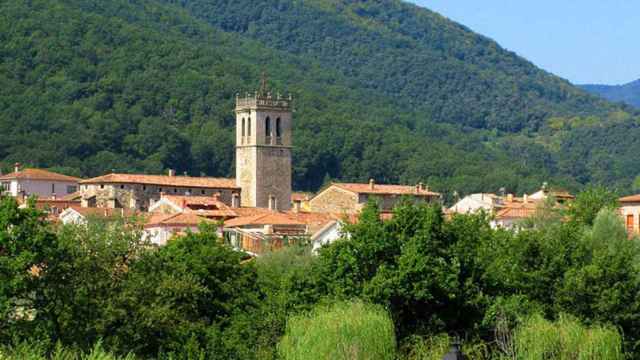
(342, 331)
(566, 339)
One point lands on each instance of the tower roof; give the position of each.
(264, 99)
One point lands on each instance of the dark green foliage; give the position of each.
(382, 89)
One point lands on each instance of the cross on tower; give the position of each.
(263, 83)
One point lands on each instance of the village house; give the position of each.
(350, 198)
(160, 228)
(52, 207)
(630, 211)
(139, 192)
(210, 207)
(474, 203)
(37, 182)
(78, 215)
(264, 232)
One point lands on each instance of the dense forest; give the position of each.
(563, 287)
(382, 90)
(626, 93)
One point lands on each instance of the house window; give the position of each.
(6, 186)
(101, 186)
(121, 186)
(159, 189)
(278, 129)
(175, 191)
(144, 187)
(71, 189)
(202, 192)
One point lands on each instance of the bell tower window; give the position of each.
(249, 127)
(243, 133)
(278, 131)
(267, 130)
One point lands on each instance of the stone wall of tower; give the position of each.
(246, 160)
(273, 176)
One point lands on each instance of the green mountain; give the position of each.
(627, 93)
(382, 89)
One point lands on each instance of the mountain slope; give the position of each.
(627, 93)
(409, 54)
(88, 86)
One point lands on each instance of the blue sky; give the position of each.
(584, 41)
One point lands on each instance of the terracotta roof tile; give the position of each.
(517, 210)
(381, 189)
(39, 174)
(271, 218)
(632, 198)
(300, 196)
(179, 219)
(103, 212)
(165, 180)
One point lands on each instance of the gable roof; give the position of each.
(179, 219)
(165, 180)
(102, 212)
(517, 210)
(628, 199)
(381, 189)
(271, 218)
(38, 174)
(183, 203)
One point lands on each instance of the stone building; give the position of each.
(630, 212)
(37, 182)
(345, 198)
(139, 192)
(263, 149)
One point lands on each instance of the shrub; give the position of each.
(346, 330)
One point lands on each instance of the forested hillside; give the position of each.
(382, 89)
(627, 93)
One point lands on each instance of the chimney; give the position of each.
(372, 184)
(16, 167)
(525, 198)
(235, 200)
(172, 172)
(296, 206)
(509, 197)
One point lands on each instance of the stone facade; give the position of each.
(335, 200)
(263, 150)
(139, 196)
(351, 198)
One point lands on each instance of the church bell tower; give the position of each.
(263, 149)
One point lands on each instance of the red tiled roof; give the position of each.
(214, 207)
(517, 211)
(300, 196)
(165, 180)
(103, 212)
(271, 218)
(632, 198)
(179, 219)
(385, 189)
(39, 174)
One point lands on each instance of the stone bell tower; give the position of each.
(263, 149)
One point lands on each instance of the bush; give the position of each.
(346, 330)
